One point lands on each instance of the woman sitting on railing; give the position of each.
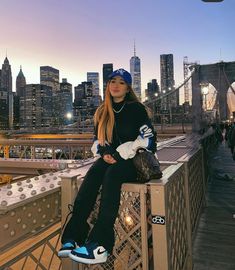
(122, 126)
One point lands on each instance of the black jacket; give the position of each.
(132, 130)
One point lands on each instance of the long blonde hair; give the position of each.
(104, 115)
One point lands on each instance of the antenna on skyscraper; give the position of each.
(220, 54)
(134, 48)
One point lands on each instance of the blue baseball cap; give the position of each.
(122, 73)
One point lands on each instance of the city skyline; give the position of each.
(77, 38)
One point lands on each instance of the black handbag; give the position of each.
(147, 166)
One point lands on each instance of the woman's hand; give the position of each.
(109, 159)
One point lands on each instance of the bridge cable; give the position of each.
(172, 91)
(229, 85)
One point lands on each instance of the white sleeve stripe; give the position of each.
(94, 148)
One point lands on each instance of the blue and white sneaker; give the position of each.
(90, 253)
(66, 249)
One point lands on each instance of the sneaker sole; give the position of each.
(64, 253)
(86, 261)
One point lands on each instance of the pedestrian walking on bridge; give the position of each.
(231, 139)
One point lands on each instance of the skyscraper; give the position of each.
(66, 103)
(94, 78)
(50, 76)
(4, 110)
(6, 95)
(107, 70)
(83, 102)
(19, 97)
(82, 92)
(167, 81)
(167, 72)
(135, 71)
(3, 107)
(6, 77)
(152, 89)
(38, 106)
(20, 83)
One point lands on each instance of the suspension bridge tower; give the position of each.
(187, 88)
(221, 75)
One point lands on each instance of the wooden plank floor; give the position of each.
(214, 243)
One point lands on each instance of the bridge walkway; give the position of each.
(214, 243)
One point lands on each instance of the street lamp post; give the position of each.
(205, 91)
(183, 116)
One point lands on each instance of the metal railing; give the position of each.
(154, 228)
(35, 253)
(153, 225)
(55, 149)
(45, 149)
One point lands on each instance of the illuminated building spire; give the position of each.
(134, 49)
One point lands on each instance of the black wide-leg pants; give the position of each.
(110, 177)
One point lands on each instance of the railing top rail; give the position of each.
(77, 142)
(45, 142)
(167, 173)
(170, 142)
(53, 136)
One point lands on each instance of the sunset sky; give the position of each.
(76, 36)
